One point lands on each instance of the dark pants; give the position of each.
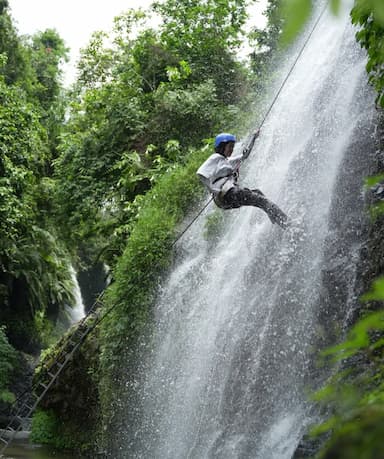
(237, 197)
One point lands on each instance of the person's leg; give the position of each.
(237, 197)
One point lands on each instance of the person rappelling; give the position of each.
(220, 173)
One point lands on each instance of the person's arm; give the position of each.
(247, 150)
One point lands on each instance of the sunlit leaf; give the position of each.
(379, 11)
(373, 180)
(376, 292)
(324, 427)
(295, 14)
(335, 6)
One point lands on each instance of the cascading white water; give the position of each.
(237, 319)
(76, 312)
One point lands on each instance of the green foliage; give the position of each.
(205, 34)
(140, 103)
(184, 114)
(147, 255)
(49, 430)
(335, 6)
(369, 16)
(295, 14)
(377, 291)
(32, 260)
(359, 436)
(47, 52)
(265, 42)
(44, 427)
(359, 337)
(373, 180)
(355, 393)
(14, 68)
(7, 364)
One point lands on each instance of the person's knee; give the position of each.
(259, 192)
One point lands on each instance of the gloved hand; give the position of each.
(248, 149)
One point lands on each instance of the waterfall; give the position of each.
(76, 312)
(239, 319)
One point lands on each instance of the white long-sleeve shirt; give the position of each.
(218, 172)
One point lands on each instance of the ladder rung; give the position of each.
(43, 385)
(36, 393)
(4, 440)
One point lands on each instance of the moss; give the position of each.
(68, 417)
(360, 437)
(148, 255)
(70, 414)
(48, 429)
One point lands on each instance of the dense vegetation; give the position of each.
(110, 161)
(354, 396)
(35, 282)
(104, 172)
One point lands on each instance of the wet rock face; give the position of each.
(350, 227)
(92, 281)
(308, 448)
(73, 398)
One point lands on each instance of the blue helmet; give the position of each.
(224, 137)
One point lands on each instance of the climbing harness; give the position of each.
(266, 114)
(26, 403)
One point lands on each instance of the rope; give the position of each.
(192, 222)
(267, 112)
(294, 63)
(100, 319)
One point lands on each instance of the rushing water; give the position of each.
(238, 320)
(76, 312)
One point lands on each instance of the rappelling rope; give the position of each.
(99, 319)
(265, 116)
(192, 448)
(294, 63)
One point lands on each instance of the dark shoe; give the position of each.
(276, 215)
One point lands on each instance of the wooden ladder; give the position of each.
(24, 406)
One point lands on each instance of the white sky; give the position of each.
(76, 20)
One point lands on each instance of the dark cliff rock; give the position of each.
(353, 258)
(92, 281)
(73, 399)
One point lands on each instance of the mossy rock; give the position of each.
(68, 415)
(360, 437)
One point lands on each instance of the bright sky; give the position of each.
(76, 20)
